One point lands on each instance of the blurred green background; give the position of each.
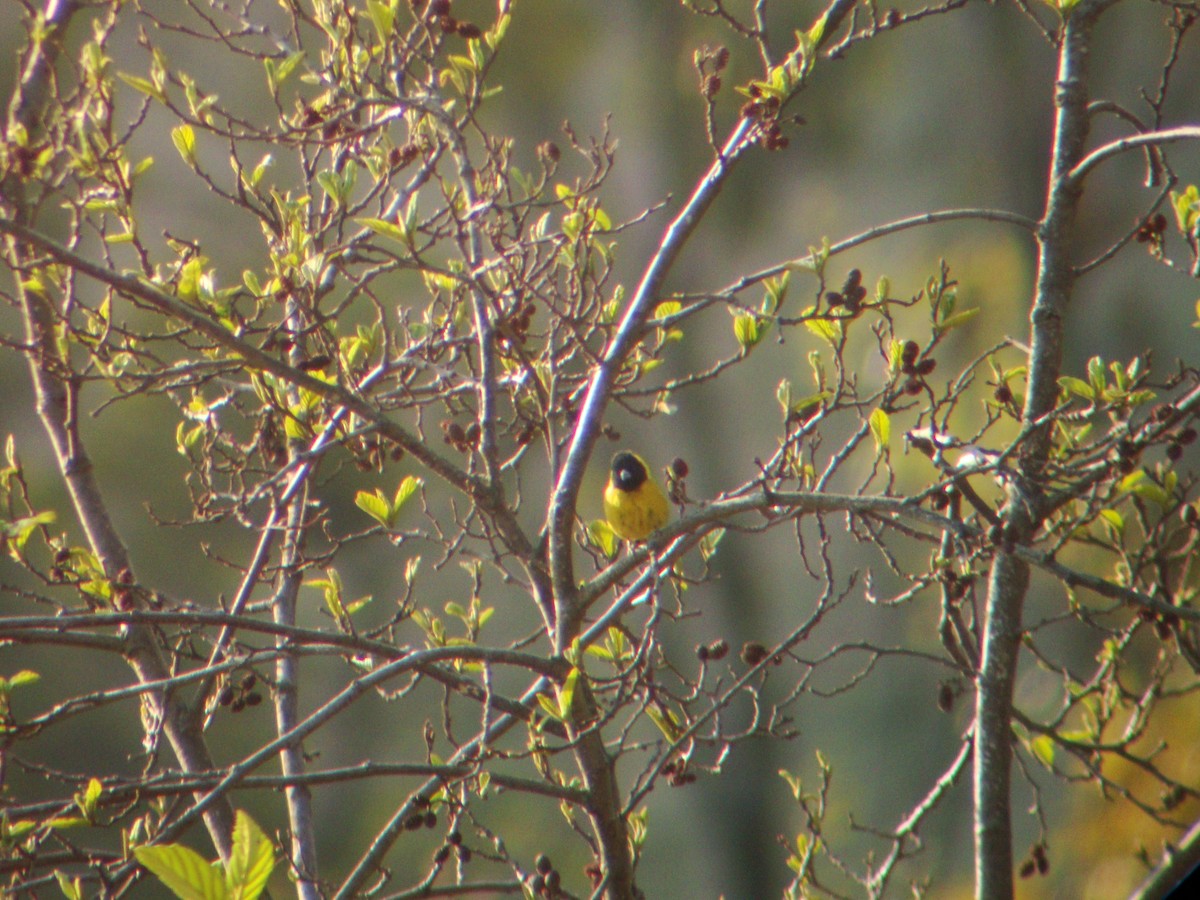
(953, 112)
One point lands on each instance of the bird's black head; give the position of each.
(628, 472)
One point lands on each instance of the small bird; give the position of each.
(634, 504)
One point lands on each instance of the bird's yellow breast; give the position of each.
(635, 515)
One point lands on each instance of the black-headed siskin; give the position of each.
(634, 504)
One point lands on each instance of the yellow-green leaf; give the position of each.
(667, 308)
(881, 429)
(25, 676)
(831, 331)
(285, 68)
(666, 721)
(601, 535)
(959, 318)
(142, 84)
(252, 860)
(549, 707)
(185, 872)
(375, 506)
(1187, 208)
(385, 228)
(745, 329)
(1114, 519)
(184, 139)
(72, 890)
(566, 694)
(1078, 387)
(409, 486)
(1042, 747)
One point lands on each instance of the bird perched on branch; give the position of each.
(634, 504)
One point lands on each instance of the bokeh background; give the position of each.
(952, 112)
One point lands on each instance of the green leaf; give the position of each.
(68, 823)
(142, 84)
(1042, 747)
(666, 721)
(1077, 386)
(600, 652)
(831, 331)
(409, 486)
(1114, 519)
(187, 438)
(881, 430)
(24, 677)
(776, 292)
(253, 285)
(191, 277)
(288, 66)
(185, 872)
(883, 287)
(667, 308)
(355, 605)
(795, 782)
(1097, 375)
(1132, 480)
(1187, 208)
(566, 694)
(385, 228)
(954, 321)
(72, 890)
(15, 831)
(87, 799)
(184, 139)
(19, 532)
(265, 163)
(799, 407)
(375, 506)
(1152, 492)
(601, 535)
(746, 331)
(332, 185)
(251, 862)
(410, 569)
(783, 395)
(549, 707)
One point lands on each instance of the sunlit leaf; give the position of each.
(142, 84)
(667, 721)
(251, 862)
(746, 331)
(385, 228)
(830, 330)
(957, 319)
(1042, 747)
(184, 139)
(881, 429)
(383, 17)
(409, 486)
(601, 535)
(566, 693)
(184, 871)
(375, 506)
(1114, 519)
(1078, 387)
